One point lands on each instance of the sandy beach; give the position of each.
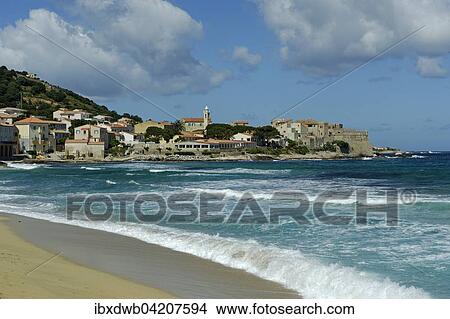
(21, 276)
(96, 264)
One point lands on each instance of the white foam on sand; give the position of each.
(309, 276)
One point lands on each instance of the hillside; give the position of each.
(41, 98)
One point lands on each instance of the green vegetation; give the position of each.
(135, 118)
(221, 131)
(155, 134)
(294, 147)
(225, 131)
(42, 99)
(118, 150)
(344, 147)
(328, 147)
(264, 133)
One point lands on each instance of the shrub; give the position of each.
(37, 88)
(343, 146)
(56, 95)
(328, 147)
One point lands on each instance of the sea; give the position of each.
(319, 259)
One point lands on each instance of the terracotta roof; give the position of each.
(193, 119)
(31, 120)
(118, 125)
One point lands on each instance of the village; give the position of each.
(99, 137)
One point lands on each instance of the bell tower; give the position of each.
(206, 117)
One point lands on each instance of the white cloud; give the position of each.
(143, 44)
(246, 59)
(430, 67)
(325, 37)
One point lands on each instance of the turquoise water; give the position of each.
(374, 261)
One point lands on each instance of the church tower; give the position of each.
(206, 117)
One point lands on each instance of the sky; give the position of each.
(248, 60)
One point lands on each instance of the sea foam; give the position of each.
(309, 276)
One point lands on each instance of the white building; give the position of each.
(34, 135)
(212, 144)
(103, 118)
(12, 111)
(247, 137)
(70, 115)
(130, 138)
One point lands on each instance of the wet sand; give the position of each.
(27, 271)
(179, 274)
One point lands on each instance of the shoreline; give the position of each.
(325, 156)
(162, 159)
(179, 274)
(28, 271)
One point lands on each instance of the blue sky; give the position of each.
(248, 59)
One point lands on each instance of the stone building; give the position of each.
(315, 134)
(141, 128)
(90, 142)
(192, 124)
(85, 149)
(9, 145)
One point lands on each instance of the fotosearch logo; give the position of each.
(330, 207)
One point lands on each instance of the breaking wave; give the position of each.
(309, 276)
(24, 166)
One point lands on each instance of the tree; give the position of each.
(37, 88)
(154, 134)
(135, 118)
(329, 147)
(219, 131)
(12, 94)
(56, 95)
(23, 81)
(178, 126)
(265, 133)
